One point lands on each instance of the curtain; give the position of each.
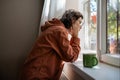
(52, 9)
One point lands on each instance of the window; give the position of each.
(88, 33)
(108, 32)
(113, 26)
(90, 12)
(95, 34)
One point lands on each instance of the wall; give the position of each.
(72, 4)
(19, 25)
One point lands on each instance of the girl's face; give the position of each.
(76, 24)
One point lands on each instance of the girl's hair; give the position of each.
(69, 16)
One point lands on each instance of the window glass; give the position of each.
(113, 26)
(88, 32)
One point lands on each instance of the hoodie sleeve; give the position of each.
(69, 50)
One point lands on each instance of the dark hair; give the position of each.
(69, 16)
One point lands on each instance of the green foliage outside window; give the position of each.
(113, 25)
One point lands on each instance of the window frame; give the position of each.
(103, 56)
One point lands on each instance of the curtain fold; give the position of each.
(52, 9)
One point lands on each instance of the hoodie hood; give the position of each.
(53, 22)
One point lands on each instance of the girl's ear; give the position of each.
(73, 20)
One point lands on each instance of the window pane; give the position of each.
(112, 26)
(88, 31)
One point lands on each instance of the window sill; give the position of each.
(113, 59)
(102, 71)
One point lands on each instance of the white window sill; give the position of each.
(102, 71)
(113, 59)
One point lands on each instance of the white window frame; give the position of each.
(101, 36)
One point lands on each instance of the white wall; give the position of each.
(72, 4)
(19, 23)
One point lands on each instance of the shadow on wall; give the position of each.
(19, 24)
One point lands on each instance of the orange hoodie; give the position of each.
(45, 61)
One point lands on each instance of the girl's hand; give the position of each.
(76, 27)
